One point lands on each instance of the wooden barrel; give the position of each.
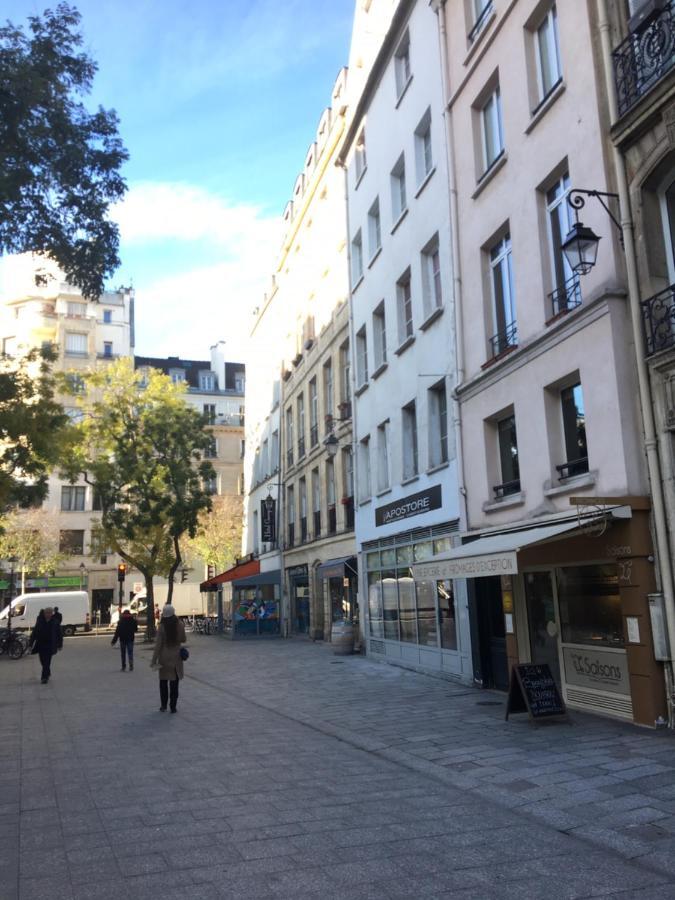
(342, 638)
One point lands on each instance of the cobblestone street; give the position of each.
(290, 772)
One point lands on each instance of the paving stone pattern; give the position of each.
(290, 772)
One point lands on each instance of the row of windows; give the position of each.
(327, 515)
(77, 344)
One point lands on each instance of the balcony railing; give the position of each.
(658, 317)
(572, 468)
(504, 340)
(504, 490)
(567, 297)
(647, 54)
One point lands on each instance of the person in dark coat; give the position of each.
(125, 633)
(166, 656)
(44, 640)
(59, 618)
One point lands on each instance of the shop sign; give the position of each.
(602, 670)
(55, 581)
(468, 567)
(407, 507)
(268, 520)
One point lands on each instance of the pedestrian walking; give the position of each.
(44, 640)
(59, 618)
(167, 655)
(125, 633)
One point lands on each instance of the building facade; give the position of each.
(404, 365)
(86, 335)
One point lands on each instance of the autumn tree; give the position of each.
(217, 540)
(142, 448)
(31, 537)
(59, 163)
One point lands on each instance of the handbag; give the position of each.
(184, 653)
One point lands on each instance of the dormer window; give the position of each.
(177, 376)
(207, 381)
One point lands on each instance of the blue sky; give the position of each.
(218, 102)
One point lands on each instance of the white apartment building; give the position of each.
(403, 360)
(86, 335)
(560, 561)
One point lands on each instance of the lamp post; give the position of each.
(83, 575)
(580, 246)
(331, 445)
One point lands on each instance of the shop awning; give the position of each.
(497, 554)
(335, 568)
(243, 570)
(260, 578)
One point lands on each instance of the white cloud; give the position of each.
(186, 312)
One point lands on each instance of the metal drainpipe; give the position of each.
(651, 441)
(438, 7)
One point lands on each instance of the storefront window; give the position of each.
(424, 551)
(426, 613)
(590, 606)
(446, 614)
(442, 545)
(373, 560)
(390, 605)
(404, 556)
(388, 558)
(375, 605)
(406, 605)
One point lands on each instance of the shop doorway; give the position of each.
(101, 601)
(492, 633)
(542, 621)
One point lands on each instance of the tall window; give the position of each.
(410, 456)
(361, 357)
(432, 292)
(303, 510)
(399, 202)
(328, 395)
(374, 229)
(574, 431)
(313, 414)
(301, 426)
(357, 258)
(211, 450)
(274, 452)
(549, 69)
(76, 344)
(348, 472)
(438, 424)
(107, 316)
(316, 503)
(404, 300)
(379, 335)
(402, 64)
(383, 480)
(72, 498)
(330, 496)
(77, 310)
(503, 297)
(290, 515)
(423, 155)
(566, 289)
(209, 410)
(365, 491)
(71, 543)
(107, 349)
(493, 135)
(289, 436)
(508, 457)
(481, 13)
(207, 381)
(360, 161)
(345, 374)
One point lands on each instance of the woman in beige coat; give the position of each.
(166, 655)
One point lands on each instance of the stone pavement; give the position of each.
(289, 772)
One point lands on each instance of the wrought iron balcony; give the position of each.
(572, 468)
(567, 297)
(504, 490)
(647, 54)
(504, 340)
(658, 317)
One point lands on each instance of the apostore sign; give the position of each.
(603, 670)
(412, 505)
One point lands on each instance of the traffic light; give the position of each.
(183, 575)
(121, 572)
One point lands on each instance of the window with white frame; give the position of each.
(360, 161)
(76, 344)
(383, 478)
(302, 486)
(404, 304)
(207, 381)
(290, 515)
(493, 134)
(77, 310)
(107, 316)
(316, 503)
(209, 410)
(438, 424)
(328, 395)
(503, 296)
(432, 291)
(301, 425)
(345, 373)
(481, 10)
(347, 472)
(566, 287)
(274, 451)
(72, 498)
(365, 490)
(549, 69)
(399, 202)
(410, 453)
(289, 436)
(379, 335)
(313, 414)
(402, 70)
(177, 375)
(423, 156)
(574, 431)
(507, 444)
(361, 357)
(357, 258)
(374, 229)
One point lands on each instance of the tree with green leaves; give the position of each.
(142, 448)
(33, 427)
(59, 163)
(31, 537)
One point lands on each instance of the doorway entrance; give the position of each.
(489, 617)
(542, 621)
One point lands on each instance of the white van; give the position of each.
(73, 606)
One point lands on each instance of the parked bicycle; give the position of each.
(13, 643)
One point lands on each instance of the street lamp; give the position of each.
(83, 574)
(331, 445)
(580, 246)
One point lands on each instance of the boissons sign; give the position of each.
(412, 505)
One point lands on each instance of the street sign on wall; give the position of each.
(268, 520)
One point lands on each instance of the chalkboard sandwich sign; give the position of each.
(533, 690)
